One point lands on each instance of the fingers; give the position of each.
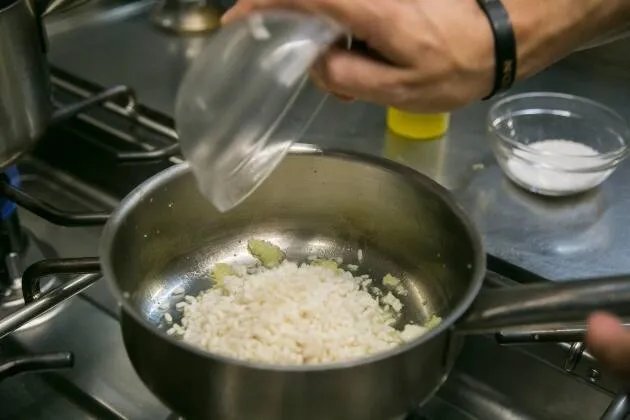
(365, 19)
(402, 81)
(351, 75)
(346, 75)
(320, 84)
(609, 342)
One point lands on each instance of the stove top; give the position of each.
(84, 167)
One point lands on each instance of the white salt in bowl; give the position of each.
(555, 144)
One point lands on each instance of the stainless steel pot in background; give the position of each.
(26, 108)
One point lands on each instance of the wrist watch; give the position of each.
(504, 45)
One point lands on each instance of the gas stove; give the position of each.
(64, 191)
(20, 249)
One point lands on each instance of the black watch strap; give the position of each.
(504, 45)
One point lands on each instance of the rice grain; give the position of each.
(290, 314)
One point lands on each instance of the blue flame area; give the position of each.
(8, 207)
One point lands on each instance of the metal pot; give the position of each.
(165, 235)
(26, 108)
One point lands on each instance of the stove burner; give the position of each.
(18, 250)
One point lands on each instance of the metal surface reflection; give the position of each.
(563, 227)
(426, 156)
(185, 17)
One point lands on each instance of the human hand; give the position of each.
(609, 342)
(440, 53)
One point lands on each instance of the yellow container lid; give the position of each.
(417, 126)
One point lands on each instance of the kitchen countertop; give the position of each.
(561, 239)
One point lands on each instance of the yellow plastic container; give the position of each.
(417, 126)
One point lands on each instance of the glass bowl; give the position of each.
(555, 144)
(245, 100)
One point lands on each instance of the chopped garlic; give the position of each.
(268, 254)
(433, 322)
(220, 272)
(391, 281)
(330, 264)
(411, 332)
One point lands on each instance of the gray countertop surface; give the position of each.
(112, 42)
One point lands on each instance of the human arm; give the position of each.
(551, 30)
(441, 53)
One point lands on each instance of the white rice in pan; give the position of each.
(292, 314)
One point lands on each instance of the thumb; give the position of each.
(609, 342)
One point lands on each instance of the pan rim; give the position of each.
(448, 322)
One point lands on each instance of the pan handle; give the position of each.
(35, 363)
(544, 304)
(35, 272)
(62, 114)
(619, 409)
(543, 334)
(38, 303)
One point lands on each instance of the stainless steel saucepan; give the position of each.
(165, 236)
(26, 108)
